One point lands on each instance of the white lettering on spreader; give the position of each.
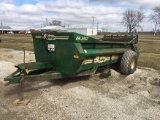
(82, 38)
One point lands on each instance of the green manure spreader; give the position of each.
(69, 54)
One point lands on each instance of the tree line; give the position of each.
(132, 19)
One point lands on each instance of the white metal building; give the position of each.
(84, 31)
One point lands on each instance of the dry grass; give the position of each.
(149, 47)
(149, 60)
(17, 42)
(145, 37)
(149, 54)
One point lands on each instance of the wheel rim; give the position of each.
(133, 63)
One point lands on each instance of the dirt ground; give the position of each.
(92, 98)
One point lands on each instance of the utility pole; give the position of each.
(97, 27)
(127, 28)
(41, 25)
(46, 21)
(2, 27)
(93, 24)
(106, 29)
(155, 30)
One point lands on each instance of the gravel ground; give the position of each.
(133, 97)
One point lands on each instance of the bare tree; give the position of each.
(155, 17)
(103, 29)
(56, 23)
(132, 19)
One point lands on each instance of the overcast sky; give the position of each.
(73, 13)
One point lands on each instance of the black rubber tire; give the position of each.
(128, 62)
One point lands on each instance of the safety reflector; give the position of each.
(27, 71)
(76, 56)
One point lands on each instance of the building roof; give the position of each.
(24, 28)
(5, 28)
(53, 28)
(84, 28)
